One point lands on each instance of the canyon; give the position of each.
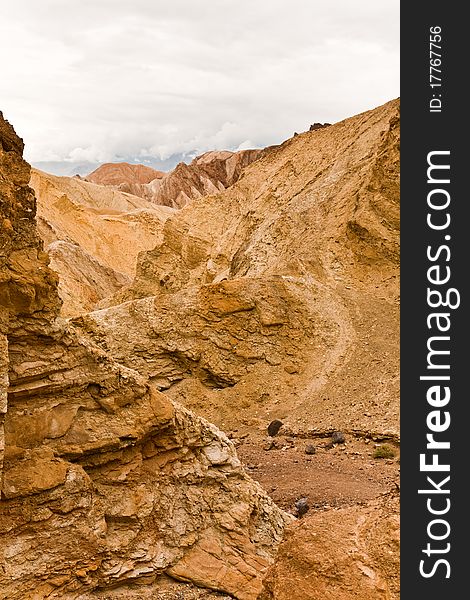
(143, 318)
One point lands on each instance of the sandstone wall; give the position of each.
(104, 480)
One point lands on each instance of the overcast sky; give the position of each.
(99, 80)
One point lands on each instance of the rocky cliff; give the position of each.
(28, 296)
(277, 297)
(93, 235)
(207, 174)
(105, 482)
(27, 285)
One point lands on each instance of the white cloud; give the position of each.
(88, 80)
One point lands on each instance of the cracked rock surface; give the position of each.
(105, 482)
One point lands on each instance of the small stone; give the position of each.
(274, 426)
(310, 449)
(338, 437)
(81, 573)
(301, 507)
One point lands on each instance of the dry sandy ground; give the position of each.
(340, 476)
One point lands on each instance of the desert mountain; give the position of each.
(276, 298)
(206, 174)
(93, 235)
(125, 177)
(105, 483)
(121, 174)
(209, 173)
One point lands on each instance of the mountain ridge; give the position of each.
(207, 173)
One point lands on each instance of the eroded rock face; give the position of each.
(83, 281)
(28, 295)
(219, 333)
(301, 257)
(347, 554)
(27, 285)
(104, 480)
(93, 235)
(206, 174)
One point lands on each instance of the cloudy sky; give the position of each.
(103, 80)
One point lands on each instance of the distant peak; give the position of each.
(123, 173)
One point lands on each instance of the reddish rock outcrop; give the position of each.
(122, 174)
(124, 177)
(347, 554)
(206, 174)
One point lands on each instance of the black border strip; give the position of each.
(434, 121)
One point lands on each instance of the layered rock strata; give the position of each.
(104, 481)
